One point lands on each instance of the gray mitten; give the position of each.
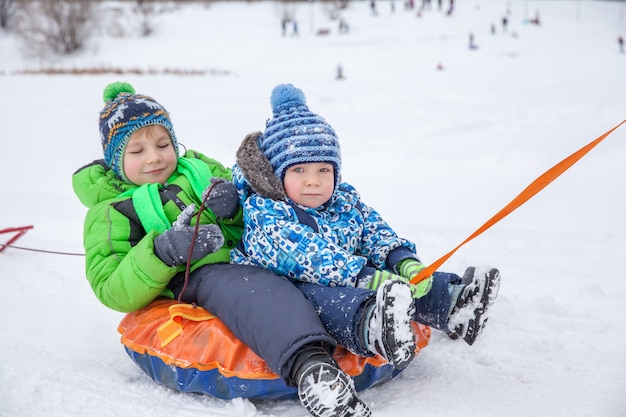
(223, 198)
(172, 246)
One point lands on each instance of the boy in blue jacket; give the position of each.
(302, 222)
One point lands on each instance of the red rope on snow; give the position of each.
(19, 233)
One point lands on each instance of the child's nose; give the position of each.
(154, 156)
(312, 180)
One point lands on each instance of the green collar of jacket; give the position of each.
(147, 201)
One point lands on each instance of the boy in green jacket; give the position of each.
(137, 192)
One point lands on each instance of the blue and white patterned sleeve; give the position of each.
(276, 240)
(379, 239)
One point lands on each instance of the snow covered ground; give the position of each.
(437, 152)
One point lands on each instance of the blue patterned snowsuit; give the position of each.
(322, 251)
(329, 246)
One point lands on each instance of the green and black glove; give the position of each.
(372, 279)
(408, 268)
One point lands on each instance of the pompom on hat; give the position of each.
(124, 113)
(295, 135)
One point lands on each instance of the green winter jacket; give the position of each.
(121, 266)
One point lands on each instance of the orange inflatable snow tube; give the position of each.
(187, 349)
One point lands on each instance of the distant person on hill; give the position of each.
(472, 45)
(451, 8)
(340, 75)
(302, 222)
(283, 22)
(620, 41)
(536, 20)
(343, 26)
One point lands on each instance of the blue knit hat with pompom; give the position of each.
(124, 113)
(295, 135)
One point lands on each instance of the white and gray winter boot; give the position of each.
(323, 388)
(327, 391)
(476, 294)
(388, 331)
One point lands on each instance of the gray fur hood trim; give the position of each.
(257, 169)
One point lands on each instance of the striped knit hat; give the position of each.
(296, 135)
(124, 113)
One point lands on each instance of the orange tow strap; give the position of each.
(529, 192)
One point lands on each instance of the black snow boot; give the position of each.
(469, 314)
(324, 389)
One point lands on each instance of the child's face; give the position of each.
(310, 184)
(149, 156)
